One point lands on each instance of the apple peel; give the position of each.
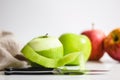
(30, 54)
(68, 58)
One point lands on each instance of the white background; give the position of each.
(33, 18)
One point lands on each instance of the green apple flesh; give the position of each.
(49, 47)
(76, 43)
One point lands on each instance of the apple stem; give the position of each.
(46, 35)
(93, 26)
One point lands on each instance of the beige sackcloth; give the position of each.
(10, 55)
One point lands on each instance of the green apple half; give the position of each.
(48, 52)
(76, 43)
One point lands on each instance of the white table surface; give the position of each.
(112, 74)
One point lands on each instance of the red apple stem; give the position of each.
(93, 26)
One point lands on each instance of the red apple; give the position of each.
(112, 44)
(96, 37)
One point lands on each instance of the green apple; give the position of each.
(47, 51)
(76, 43)
(44, 50)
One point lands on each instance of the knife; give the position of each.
(50, 71)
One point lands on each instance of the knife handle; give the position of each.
(29, 69)
(27, 73)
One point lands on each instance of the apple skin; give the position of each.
(97, 37)
(76, 43)
(112, 44)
